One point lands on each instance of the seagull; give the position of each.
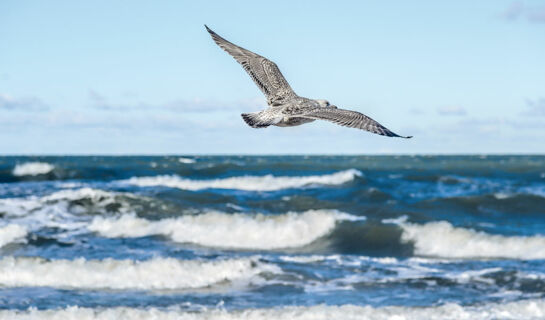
(286, 108)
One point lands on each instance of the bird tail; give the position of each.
(253, 120)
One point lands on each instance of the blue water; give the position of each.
(414, 231)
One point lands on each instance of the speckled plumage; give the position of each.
(286, 108)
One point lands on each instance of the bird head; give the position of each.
(323, 103)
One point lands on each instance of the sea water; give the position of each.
(279, 237)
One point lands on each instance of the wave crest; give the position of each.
(32, 169)
(247, 183)
(186, 160)
(11, 233)
(240, 231)
(520, 310)
(76, 199)
(441, 239)
(154, 274)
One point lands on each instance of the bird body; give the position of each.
(286, 108)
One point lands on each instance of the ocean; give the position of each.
(272, 237)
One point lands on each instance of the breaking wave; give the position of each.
(186, 160)
(441, 239)
(154, 274)
(248, 183)
(11, 233)
(68, 210)
(240, 231)
(519, 310)
(75, 198)
(32, 169)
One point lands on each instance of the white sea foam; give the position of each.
(11, 233)
(18, 206)
(23, 206)
(186, 160)
(397, 220)
(154, 274)
(519, 310)
(502, 195)
(32, 169)
(308, 258)
(441, 239)
(62, 209)
(338, 259)
(76, 194)
(215, 229)
(248, 183)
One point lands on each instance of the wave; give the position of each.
(32, 169)
(338, 259)
(76, 199)
(247, 183)
(11, 233)
(154, 274)
(66, 210)
(441, 239)
(520, 310)
(238, 231)
(186, 160)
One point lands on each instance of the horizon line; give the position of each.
(263, 155)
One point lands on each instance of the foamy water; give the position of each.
(248, 183)
(59, 199)
(520, 310)
(240, 231)
(186, 160)
(11, 233)
(64, 210)
(441, 239)
(157, 273)
(32, 169)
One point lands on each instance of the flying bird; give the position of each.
(286, 108)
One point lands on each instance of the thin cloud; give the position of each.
(535, 108)
(70, 121)
(98, 101)
(451, 111)
(514, 11)
(416, 111)
(537, 15)
(195, 105)
(8, 102)
(96, 97)
(500, 124)
(206, 105)
(518, 10)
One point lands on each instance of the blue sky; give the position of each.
(144, 77)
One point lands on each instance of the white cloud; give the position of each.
(9, 102)
(451, 111)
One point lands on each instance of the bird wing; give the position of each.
(348, 118)
(264, 72)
